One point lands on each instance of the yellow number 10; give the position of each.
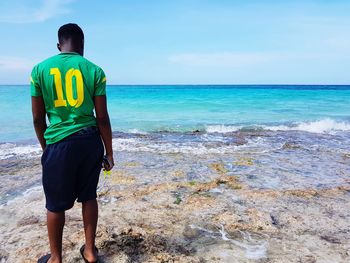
(61, 102)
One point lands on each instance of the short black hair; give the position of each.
(70, 31)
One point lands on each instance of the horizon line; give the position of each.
(205, 84)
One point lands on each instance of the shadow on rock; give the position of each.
(138, 246)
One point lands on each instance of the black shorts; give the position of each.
(71, 169)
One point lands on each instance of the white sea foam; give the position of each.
(213, 142)
(222, 128)
(325, 125)
(9, 150)
(209, 146)
(254, 248)
(137, 131)
(321, 126)
(197, 148)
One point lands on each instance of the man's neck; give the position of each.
(69, 47)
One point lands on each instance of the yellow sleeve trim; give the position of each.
(103, 80)
(31, 80)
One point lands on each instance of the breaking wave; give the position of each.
(320, 126)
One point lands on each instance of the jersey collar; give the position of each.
(69, 53)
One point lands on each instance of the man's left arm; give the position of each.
(38, 107)
(39, 119)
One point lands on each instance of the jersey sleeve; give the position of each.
(35, 89)
(100, 84)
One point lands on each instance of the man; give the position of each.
(67, 88)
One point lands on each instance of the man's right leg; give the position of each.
(55, 224)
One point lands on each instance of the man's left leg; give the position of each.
(55, 224)
(90, 215)
(88, 176)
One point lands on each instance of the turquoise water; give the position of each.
(204, 108)
(186, 108)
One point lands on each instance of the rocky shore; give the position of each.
(154, 208)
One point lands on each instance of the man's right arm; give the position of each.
(104, 126)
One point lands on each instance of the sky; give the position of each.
(185, 41)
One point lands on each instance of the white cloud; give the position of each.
(19, 12)
(15, 64)
(223, 59)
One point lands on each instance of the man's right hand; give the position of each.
(104, 126)
(109, 163)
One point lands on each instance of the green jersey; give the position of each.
(68, 83)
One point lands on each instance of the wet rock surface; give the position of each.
(183, 208)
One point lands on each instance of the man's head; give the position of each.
(71, 39)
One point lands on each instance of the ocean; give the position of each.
(147, 109)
